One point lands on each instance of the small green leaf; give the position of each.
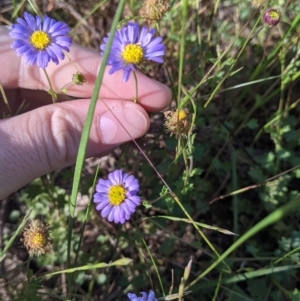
(252, 124)
(119, 262)
(146, 204)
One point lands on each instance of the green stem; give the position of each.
(27, 269)
(86, 130)
(228, 73)
(12, 239)
(234, 188)
(155, 266)
(182, 46)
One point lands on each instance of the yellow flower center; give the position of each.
(38, 240)
(116, 195)
(40, 39)
(133, 54)
(181, 115)
(274, 15)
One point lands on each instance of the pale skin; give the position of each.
(46, 137)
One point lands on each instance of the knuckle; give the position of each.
(65, 130)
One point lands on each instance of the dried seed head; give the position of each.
(258, 3)
(36, 238)
(271, 17)
(178, 122)
(154, 9)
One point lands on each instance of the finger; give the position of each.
(87, 62)
(24, 100)
(47, 139)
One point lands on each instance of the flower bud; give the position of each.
(271, 17)
(78, 79)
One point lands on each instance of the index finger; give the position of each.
(152, 95)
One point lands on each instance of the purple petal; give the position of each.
(100, 206)
(126, 76)
(135, 199)
(107, 210)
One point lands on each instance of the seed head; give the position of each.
(271, 17)
(154, 9)
(36, 238)
(178, 122)
(258, 3)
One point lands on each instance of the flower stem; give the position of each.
(135, 100)
(50, 91)
(27, 269)
(5, 99)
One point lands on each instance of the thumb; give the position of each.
(47, 139)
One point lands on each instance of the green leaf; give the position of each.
(252, 124)
(256, 174)
(119, 262)
(295, 295)
(224, 231)
(146, 204)
(169, 200)
(257, 287)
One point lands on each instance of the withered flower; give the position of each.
(178, 122)
(36, 238)
(154, 9)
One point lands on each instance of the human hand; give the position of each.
(46, 137)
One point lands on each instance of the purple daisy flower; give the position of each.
(150, 297)
(40, 40)
(116, 197)
(131, 47)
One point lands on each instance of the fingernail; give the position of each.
(112, 124)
